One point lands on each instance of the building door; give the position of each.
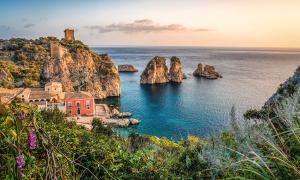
(78, 108)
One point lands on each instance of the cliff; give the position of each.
(283, 106)
(33, 63)
(175, 73)
(156, 72)
(288, 92)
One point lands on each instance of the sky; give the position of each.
(222, 23)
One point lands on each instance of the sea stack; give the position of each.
(175, 73)
(127, 68)
(156, 72)
(206, 71)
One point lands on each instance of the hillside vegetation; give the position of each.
(28, 63)
(22, 61)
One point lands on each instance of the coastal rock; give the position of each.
(156, 72)
(124, 114)
(84, 70)
(206, 71)
(127, 68)
(115, 112)
(175, 73)
(134, 122)
(117, 122)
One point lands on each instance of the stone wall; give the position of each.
(57, 51)
(54, 88)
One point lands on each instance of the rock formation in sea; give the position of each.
(206, 71)
(127, 68)
(175, 72)
(156, 72)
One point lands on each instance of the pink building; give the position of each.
(79, 104)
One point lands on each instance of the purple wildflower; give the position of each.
(22, 116)
(32, 140)
(21, 163)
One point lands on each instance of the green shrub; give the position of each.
(99, 128)
(253, 114)
(137, 141)
(53, 115)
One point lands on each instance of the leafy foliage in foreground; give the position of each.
(64, 149)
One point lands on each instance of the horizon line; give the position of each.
(197, 46)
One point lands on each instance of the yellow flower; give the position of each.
(8, 121)
(13, 134)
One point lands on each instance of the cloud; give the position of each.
(142, 26)
(204, 29)
(29, 25)
(4, 27)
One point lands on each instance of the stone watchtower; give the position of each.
(69, 35)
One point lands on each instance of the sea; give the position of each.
(198, 106)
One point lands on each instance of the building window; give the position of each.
(88, 104)
(69, 104)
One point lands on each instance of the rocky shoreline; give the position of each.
(114, 119)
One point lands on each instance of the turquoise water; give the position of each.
(198, 106)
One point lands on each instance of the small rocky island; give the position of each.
(206, 71)
(127, 68)
(157, 72)
(175, 73)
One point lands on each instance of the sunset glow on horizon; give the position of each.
(230, 23)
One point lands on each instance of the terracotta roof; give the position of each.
(40, 103)
(40, 95)
(37, 89)
(78, 95)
